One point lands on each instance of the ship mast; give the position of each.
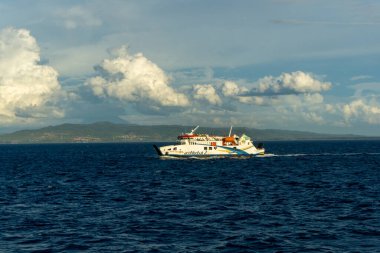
(230, 131)
(192, 131)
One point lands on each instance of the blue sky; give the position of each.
(284, 64)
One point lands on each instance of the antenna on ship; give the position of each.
(230, 131)
(192, 131)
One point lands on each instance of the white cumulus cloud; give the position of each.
(207, 92)
(362, 110)
(134, 78)
(231, 89)
(27, 89)
(296, 89)
(289, 83)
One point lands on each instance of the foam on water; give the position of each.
(320, 154)
(267, 155)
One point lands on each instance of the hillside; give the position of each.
(110, 132)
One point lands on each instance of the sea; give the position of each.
(302, 196)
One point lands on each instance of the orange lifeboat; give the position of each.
(229, 140)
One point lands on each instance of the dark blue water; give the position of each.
(307, 197)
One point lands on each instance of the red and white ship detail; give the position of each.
(192, 144)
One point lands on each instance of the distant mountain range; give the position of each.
(110, 132)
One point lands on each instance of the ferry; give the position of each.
(204, 145)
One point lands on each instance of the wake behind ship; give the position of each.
(204, 145)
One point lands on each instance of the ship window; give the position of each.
(210, 148)
(174, 148)
(205, 148)
(169, 149)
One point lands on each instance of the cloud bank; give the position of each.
(28, 90)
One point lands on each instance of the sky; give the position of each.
(271, 64)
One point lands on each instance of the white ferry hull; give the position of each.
(206, 151)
